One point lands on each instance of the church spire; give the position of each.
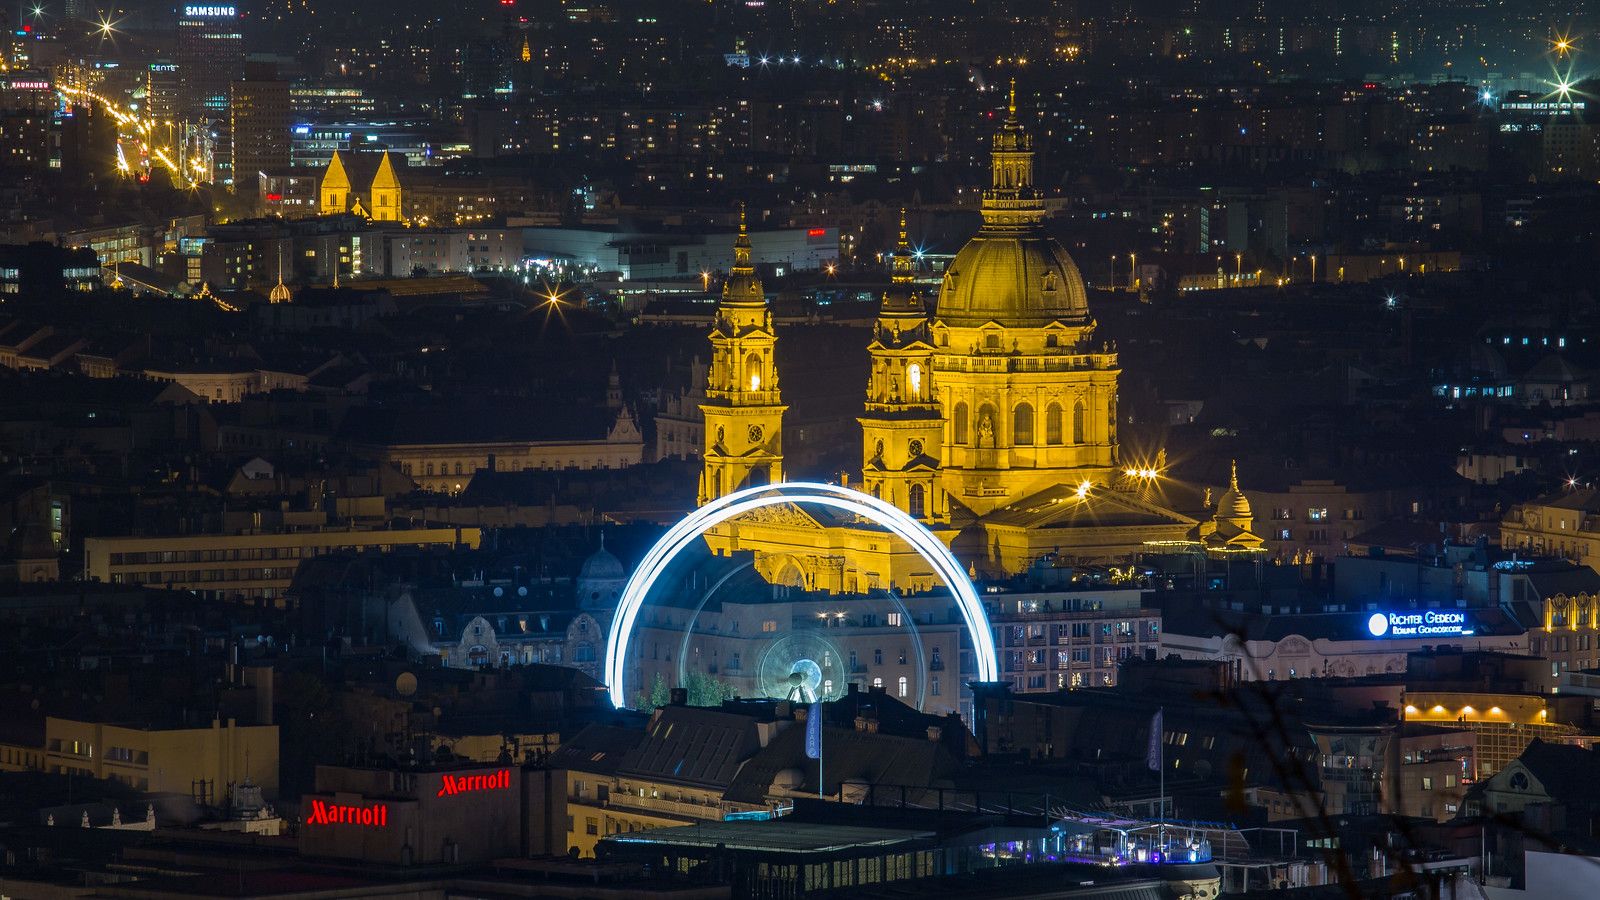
(742, 286)
(1233, 476)
(741, 244)
(901, 273)
(280, 291)
(1012, 201)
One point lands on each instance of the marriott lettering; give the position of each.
(459, 784)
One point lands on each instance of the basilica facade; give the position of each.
(992, 419)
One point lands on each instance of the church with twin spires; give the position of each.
(993, 420)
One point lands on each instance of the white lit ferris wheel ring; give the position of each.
(834, 496)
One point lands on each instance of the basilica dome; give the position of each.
(1018, 278)
(1012, 272)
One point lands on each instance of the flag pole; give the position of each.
(821, 795)
(1161, 823)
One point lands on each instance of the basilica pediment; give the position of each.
(1063, 507)
(785, 514)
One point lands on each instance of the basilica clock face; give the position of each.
(756, 434)
(914, 449)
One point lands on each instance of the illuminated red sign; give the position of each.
(374, 816)
(817, 232)
(274, 198)
(461, 784)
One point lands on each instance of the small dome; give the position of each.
(1234, 505)
(602, 565)
(1014, 279)
(280, 293)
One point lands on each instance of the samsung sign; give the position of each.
(210, 12)
(1428, 623)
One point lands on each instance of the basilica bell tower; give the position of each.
(902, 429)
(743, 409)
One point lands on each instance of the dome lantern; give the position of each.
(1012, 272)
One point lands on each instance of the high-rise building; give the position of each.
(163, 93)
(210, 58)
(88, 143)
(259, 129)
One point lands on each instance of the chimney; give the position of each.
(935, 733)
(260, 678)
(851, 688)
(679, 697)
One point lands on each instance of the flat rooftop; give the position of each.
(777, 836)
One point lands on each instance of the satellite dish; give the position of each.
(405, 684)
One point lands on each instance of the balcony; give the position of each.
(685, 809)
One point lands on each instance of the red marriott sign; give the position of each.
(461, 784)
(374, 816)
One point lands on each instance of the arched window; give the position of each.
(917, 501)
(1022, 425)
(1077, 422)
(752, 371)
(1052, 424)
(904, 684)
(960, 421)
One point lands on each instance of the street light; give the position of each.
(1238, 268)
(1113, 271)
(1133, 271)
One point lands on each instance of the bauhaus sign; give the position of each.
(372, 815)
(461, 784)
(1428, 623)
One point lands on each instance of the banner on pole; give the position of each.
(1152, 753)
(814, 731)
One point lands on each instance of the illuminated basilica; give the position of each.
(993, 421)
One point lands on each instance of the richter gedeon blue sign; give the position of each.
(1428, 623)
